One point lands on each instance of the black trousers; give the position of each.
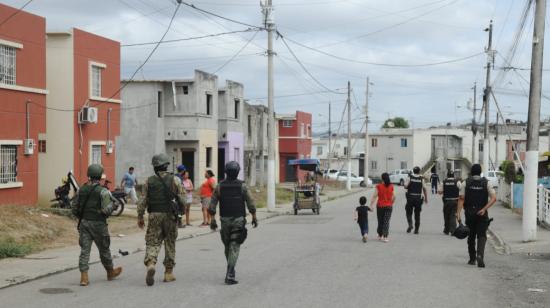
(384, 215)
(478, 230)
(414, 204)
(449, 216)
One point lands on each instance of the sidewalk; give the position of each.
(506, 232)
(15, 271)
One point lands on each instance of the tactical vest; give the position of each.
(476, 195)
(415, 186)
(450, 189)
(231, 199)
(158, 198)
(89, 198)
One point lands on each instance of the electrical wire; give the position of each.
(15, 13)
(235, 55)
(189, 38)
(220, 16)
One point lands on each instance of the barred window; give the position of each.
(8, 164)
(7, 64)
(96, 154)
(96, 81)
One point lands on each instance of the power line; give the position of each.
(222, 17)
(15, 13)
(235, 55)
(188, 38)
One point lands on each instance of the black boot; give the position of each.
(481, 252)
(409, 229)
(230, 276)
(416, 228)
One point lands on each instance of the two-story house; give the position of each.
(294, 143)
(230, 126)
(256, 142)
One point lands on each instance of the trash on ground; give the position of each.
(536, 290)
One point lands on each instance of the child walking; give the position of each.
(361, 215)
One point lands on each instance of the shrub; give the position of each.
(10, 249)
(509, 169)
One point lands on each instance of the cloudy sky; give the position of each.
(401, 32)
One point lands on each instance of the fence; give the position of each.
(543, 205)
(512, 195)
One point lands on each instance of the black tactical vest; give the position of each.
(475, 195)
(158, 199)
(450, 189)
(415, 186)
(231, 199)
(89, 197)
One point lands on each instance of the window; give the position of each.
(41, 146)
(403, 142)
(8, 164)
(287, 123)
(208, 157)
(481, 147)
(7, 64)
(345, 150)
(96, 81)
(404, 165)
(159, 104)
(319, 150)
(373, 165)
(374, 142)
(236, 154)
(302, 129)
(209, 104)
(185, 90)
(249, 126)
(237, 108)
(96, 154)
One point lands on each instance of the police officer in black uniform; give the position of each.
(476, 197)
(415, 189)
(450, 191)
(234, 198)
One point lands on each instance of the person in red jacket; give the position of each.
(384, 197)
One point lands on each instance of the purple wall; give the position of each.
(235, 140)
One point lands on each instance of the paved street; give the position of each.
(313, 261)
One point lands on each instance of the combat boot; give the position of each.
(168, 275)
(150, 278)
(230, 276)
(113, 273)
(84, 279)
(481, 252)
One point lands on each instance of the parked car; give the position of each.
(399, 176)
(493, 177)
(330, 173)
(355, 180)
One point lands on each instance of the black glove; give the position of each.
(213, 225)
(254, 223)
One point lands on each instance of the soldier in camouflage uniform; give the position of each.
(160, 190)
(92, 206)
(232, 195)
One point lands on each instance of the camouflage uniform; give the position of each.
(93, 205)
(162, 225)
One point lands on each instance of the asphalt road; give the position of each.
(312, 261)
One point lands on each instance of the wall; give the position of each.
(207, 138)
(28, 30)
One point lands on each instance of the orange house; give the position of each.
(22, 101)
(83, 117)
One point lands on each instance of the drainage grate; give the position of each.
(302, 220)
(56, 291)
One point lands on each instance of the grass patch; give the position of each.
(10, 249)
(282, 196)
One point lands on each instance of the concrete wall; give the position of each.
(234, 150)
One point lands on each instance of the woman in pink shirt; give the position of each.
(188, 186)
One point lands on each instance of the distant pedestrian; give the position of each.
(361, 215)
(188, 187)
(476, 197)
(384, 196)
(415, 189)
(450, 190)
(181, 169)
(207, 188)
(434, 179)
(129, 182)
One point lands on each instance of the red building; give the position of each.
(83, 119)
(294, 143)
(23, 98)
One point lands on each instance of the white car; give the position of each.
(399, 176)
(331, 173)
(355, 180)
(493, 177)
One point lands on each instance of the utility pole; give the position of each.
(348, 182)
(474, 126)
(496, 144)
(486, 96)
(366, 155)
(269, 23)
(329, 138)
(533, 123)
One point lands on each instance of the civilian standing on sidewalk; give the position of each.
(450, 190)
(181, 169)
(188, 187)
(384, 196)
(207, 188)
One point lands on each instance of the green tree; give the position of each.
(397, 122)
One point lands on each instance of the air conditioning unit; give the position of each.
(110, 147)
(87, 115)
(29, 146)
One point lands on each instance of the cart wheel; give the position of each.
(295, 211)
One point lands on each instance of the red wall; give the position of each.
(295, 146)
(89, 47)
(29, 30)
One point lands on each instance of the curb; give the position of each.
(498, 243)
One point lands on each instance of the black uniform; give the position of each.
(450, 200)
(414, 201)
(476, 195)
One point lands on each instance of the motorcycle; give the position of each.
(118, 196)
(62, 193)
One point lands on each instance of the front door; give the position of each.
(221, 164)
(188, 160)
(290, 172)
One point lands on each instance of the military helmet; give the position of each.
(232, 169)
(461, 232)
(160, 160)
(95, 171)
